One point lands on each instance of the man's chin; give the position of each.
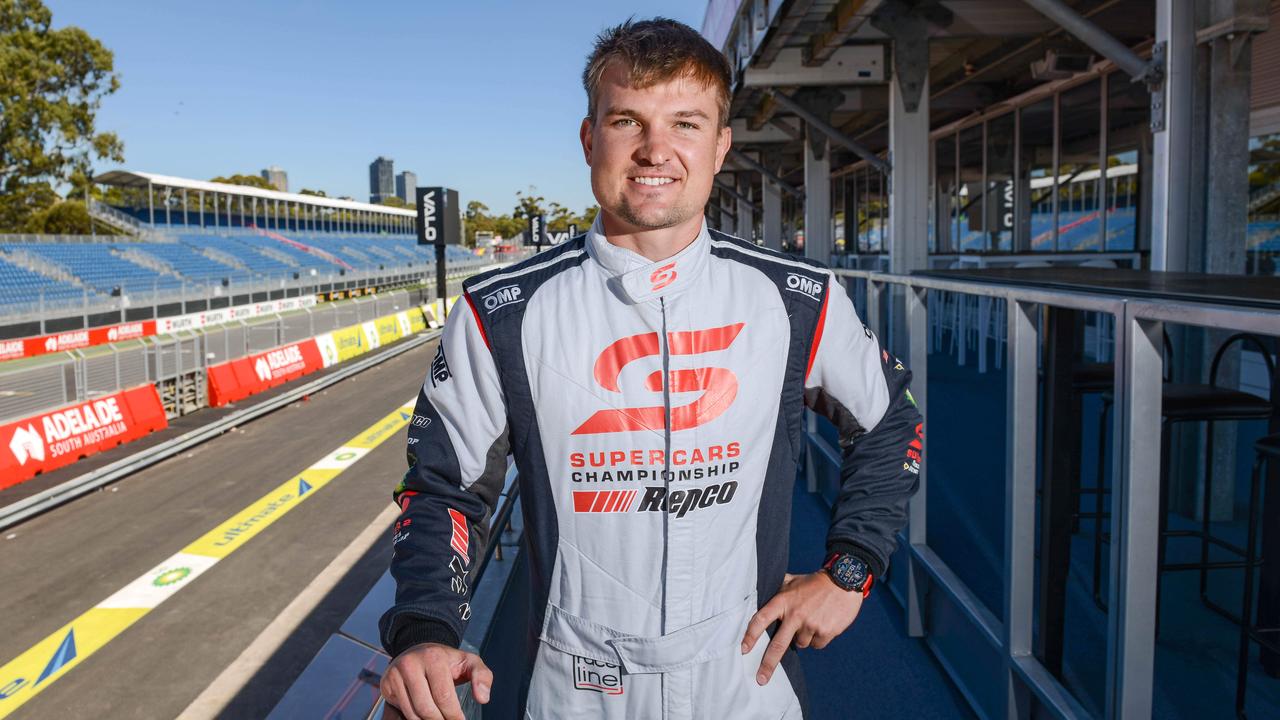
(652, 218)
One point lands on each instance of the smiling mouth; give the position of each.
(653, 181)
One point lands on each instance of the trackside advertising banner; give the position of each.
(253, 374)
(75, 339)
(60, 437)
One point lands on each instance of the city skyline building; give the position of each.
(382, 183)
(406, 185)
(276, 177)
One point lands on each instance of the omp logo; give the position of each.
(596, 675)
(502, 296)
(439, 367)
(805, 286)
(262, 369)
(27, 444)
(51, 344)
(603, 501)
(112, 334)
(663, 276)
(719, 385)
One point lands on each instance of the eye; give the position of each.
(686, 125)
(624, 122)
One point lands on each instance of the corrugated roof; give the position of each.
(134, 178)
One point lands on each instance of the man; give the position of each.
(649, 379)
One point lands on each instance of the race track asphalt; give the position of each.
(58, 565)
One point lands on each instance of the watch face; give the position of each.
(850, 572)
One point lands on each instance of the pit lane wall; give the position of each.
(64, 435)
(252, 374)
(58, 437)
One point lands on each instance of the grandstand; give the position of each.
(51, 272)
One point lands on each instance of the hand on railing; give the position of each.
(423, 679)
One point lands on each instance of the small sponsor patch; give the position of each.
(806, 286)
(439, 367)
(460, 539)
(505, 295)
(596, 676)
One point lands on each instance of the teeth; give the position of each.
(653, 180)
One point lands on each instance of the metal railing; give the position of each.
(1136, 464)
(353, 660)
(79, 375)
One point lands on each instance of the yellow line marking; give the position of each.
(27, 675)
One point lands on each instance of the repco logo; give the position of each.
(502, 296)
(805, 286)
(719, 385)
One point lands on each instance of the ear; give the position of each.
(584, 134)
(723, 141)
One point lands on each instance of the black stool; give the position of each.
(1268, 449)
(1183, 402)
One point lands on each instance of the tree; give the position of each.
(528, 205)
(316, 193)
(52, 83)
(395, 202)
(247, 180)
(68, 217)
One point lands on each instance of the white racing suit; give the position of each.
(654, 411)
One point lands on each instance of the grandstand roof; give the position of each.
(133, 178)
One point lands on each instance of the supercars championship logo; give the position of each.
(717, 462)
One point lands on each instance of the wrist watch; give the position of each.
(849, 573)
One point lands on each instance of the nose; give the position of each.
(655, 147)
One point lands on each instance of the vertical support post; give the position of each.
(201, 208)
(151, 204)
(771, 213)
(1227, 172)
(817, 195)
(185, 220)
(1172, 147)
(917, 327)
(1062, 468)
(851, 215)
(1020, 499)
(1057, 163)
(745, 224)
(909, 183)
(1131, 625)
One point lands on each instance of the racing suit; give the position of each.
(654, 411)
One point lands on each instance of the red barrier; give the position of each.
(236, 379)
(74, 339)
(60, 437)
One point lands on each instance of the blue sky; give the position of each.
(483, 97)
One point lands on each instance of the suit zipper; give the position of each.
(666, 455)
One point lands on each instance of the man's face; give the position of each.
(654, 152)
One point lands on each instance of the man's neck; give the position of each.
(654, 245)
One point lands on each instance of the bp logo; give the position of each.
(169, 577)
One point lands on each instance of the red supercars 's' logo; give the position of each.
(720, 385)
(663, 276)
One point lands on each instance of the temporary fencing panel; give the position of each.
(60, 437)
